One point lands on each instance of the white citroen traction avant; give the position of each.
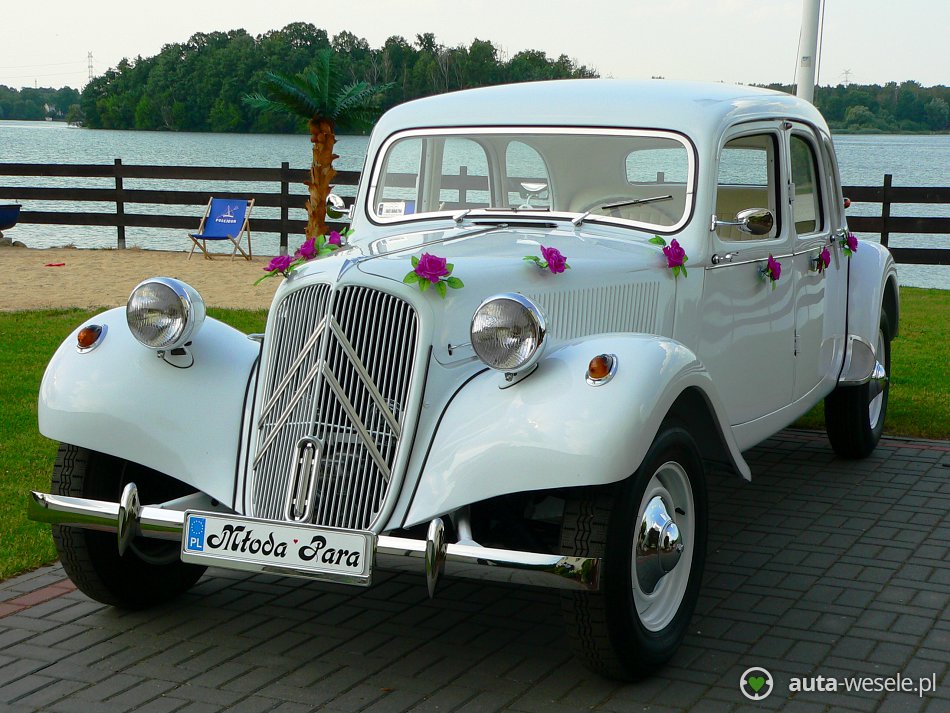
(562, 303)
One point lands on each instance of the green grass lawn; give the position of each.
(919, 402)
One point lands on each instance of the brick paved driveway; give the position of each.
(818, 567)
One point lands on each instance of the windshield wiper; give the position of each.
(608, 206)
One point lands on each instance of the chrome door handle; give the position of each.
(718, 259)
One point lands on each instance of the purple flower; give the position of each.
(825, 258)
(852, 242)
(308, 251)
(431, 268)
(675, 254)
(334, 238)
(773, 268)
(556, 262)
(279, 264)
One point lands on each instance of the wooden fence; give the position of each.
(884, 225)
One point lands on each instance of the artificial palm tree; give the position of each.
(318, 95)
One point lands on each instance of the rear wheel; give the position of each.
(854, 415)
(651, 533)
(150, 571)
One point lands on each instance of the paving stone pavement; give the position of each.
(819, 567)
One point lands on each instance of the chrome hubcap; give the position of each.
(659, 545)
(663, 546)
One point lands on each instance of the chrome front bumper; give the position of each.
(432, 556)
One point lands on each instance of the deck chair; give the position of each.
(224, 219)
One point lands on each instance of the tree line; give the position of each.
(29, 104)
(198, 85)
(891, 108)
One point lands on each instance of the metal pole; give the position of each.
(808, 50)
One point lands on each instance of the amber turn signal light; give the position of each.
(88, 336)
(600, 367)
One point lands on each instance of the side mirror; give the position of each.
(336, 208)
(754, 221)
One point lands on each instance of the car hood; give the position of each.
(612, 285)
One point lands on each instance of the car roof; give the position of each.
(693, 108)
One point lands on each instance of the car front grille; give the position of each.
(333, 407)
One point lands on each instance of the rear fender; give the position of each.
(121, 399)
(554, 430)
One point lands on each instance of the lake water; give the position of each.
(912, 160)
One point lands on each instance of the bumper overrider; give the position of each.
(308, 551)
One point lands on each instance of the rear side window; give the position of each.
(807, 206)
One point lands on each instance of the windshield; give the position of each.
(641, 178)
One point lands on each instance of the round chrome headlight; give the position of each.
(508, 332)
(164, 313)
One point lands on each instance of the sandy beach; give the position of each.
(69, 277)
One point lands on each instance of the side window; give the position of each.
(807, 206)
(747, 179)
(464, 182)
(528, 182)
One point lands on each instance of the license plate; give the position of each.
(236, 542)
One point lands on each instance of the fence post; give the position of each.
(284, 205)
(886, 210)
(119, 204)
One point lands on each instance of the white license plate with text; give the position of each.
(236, 542)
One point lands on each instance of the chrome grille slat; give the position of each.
(340, 369)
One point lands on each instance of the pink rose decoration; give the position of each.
(279, 264)
(431, 268)
(825, 258)
(852, 242)
(556, 261)
(308, 251)
(675, 254)
(772, 271)
(334, 238)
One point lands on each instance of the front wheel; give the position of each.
(651, 534)
(150, 571)
(854, 415)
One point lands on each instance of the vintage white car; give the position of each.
(562, 304)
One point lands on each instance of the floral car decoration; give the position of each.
(432, 271)
(535, 430)
(849, 243)
(311, 249)
(772, 270)
(674, 253)
(551, 259)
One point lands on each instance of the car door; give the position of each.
(748, 325)
(811, 221)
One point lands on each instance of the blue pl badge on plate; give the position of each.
(196, 533)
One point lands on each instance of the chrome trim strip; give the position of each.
(392, 553)
(357, 364)
(358, 423)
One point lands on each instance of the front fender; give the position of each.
(871, 268)
(121, 399)
(554, 430)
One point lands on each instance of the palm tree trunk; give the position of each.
(321, 174)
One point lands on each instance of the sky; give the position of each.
(742, 41)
